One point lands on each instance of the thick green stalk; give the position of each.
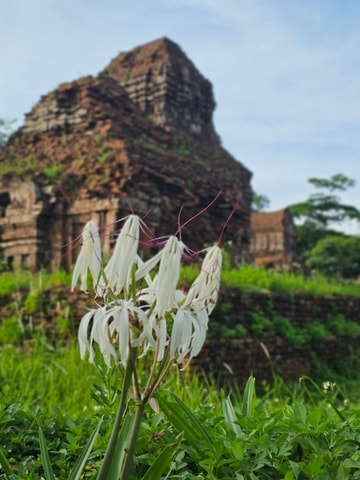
(105, 466)
(130, 453)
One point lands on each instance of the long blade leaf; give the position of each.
(120, 448)
(199, 426)
(162, 462)
(44, 455)
(5, 464)
(81, 461)
(249, 395)
(230, 416)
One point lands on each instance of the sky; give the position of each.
(285, 74)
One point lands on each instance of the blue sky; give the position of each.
(285, 73)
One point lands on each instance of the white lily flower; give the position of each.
(119, 268)
(84, 343)
(205, 288)
(122, 315)
(89, 258)
(188, 333)
(98, 318)
(168, 275)
(113, 327)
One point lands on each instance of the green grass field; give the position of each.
(299, 431)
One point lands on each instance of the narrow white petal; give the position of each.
(168, 275)
(162, 339)
(205, 288)
(89, 258)
(118, 270)
(176, 334)
(124, 336)
(83, 334)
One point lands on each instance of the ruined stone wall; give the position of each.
(237, 358)
(22, 212)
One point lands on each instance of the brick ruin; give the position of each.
(273, 239)
(137, 137)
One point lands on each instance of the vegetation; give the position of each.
(57, 411)
(260, 202)
(324, 249)
(305, 431)
(5, 130)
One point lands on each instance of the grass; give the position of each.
(249, 278)
(41, 374)
(244, 277)
(12, 282)
(292, 431)
(300, 431)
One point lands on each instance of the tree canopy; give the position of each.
(320, 247)
(324, 207)
(5, 130)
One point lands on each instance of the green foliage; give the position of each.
(309, 431)
(319, 246)
(247, 277)
(11, 331)
(33, 302)
(336, 256)
(5, 130)
(323, 208)
(314, 331)
(260, 202)
(53, 172)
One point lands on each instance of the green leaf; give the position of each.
(44, 455)
(179, 421)
(81, 461)
(230, 416)
(120, 448)
(249, 395)
(204, 434)
(5, 464)
(162, 462)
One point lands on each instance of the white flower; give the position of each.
(89, 258)
(119, 268)
(189, 332)
(112, 327)
(162, 288)
(98, 318)
(168, 275)
(205, 288)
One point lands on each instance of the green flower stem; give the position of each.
(157, 383)
(130, 453)
(155, 380)
(105, 466)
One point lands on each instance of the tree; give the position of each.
(5, 130)
(323, 208)
(260, 202)
(322, 248)
(336, 256)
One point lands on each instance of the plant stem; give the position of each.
(105, 466)
(130, 453)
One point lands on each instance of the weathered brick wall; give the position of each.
(238, 358)
(235, 358)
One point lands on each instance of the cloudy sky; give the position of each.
(285, 73)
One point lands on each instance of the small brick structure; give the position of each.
(273, 239)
